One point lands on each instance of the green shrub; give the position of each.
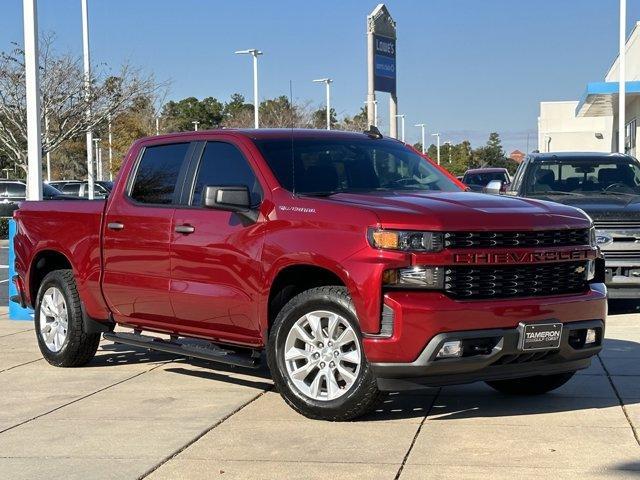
(4, 227)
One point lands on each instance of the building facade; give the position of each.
(591, 123)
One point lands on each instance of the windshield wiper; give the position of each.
(558, 192)
(319, 194)
(604, 192)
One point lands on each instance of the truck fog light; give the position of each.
(592, 336)
(450, 349)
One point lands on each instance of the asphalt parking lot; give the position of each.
(133, 414)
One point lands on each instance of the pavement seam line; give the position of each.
(415, 437)
(16, 333)
(622, 405)
(177, 452)
(21, 364)
(81, 398)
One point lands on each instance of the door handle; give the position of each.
(186, 229)
(115, 226)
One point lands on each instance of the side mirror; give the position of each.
(231, 198)
(493, 187)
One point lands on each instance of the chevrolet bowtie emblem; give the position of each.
(580, 269)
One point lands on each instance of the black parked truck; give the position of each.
(607, 187)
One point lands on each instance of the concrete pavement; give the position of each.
(134, 414)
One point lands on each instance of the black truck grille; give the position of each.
(545, 238)
(515, 281)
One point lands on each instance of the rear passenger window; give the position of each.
(157, 173)
(224, 165)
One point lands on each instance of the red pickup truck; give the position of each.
(355, 263)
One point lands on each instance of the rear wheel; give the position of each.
(532, 385)
(59, 324)
(316, 356)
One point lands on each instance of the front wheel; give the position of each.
(316, 357)
(531, 385)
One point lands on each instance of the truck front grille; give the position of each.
(617, 224)
(544, 238)
(515, 281)
(621, 254)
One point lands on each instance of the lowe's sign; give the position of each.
(384, 64)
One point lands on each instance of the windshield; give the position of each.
(581, 176)
(483, 178)
(326, 166)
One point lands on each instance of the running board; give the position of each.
(188, 347)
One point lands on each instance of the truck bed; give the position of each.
(70, 228)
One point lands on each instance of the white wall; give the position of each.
(632, 67)
(557, 122)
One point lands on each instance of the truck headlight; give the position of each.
(406, 240)
(415, 277)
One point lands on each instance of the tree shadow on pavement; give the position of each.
(477, 400)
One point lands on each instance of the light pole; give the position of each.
(32, 84)
(96, 144)
(157, 125)
(46, 140)
(256, 105)
(422, 127)
(87, 93)
(327, 82)
(401, 117)
(622, 90)
(110, 150)
(195, 125)
(437, 135)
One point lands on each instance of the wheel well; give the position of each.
(295, 279)
(45, 262)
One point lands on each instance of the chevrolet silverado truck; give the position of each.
(607, 187)
(356, 264)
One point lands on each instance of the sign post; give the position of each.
(381, 63)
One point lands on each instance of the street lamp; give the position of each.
(96, 143)
(422, 127)
(254, 53)
(195, 125)
(437, 135)
(110, 150)
(327, 82)
(401, 117)
(375, 111)
(87, 93)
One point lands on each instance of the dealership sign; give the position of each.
(384, 64)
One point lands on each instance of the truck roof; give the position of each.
(573, 155)
(270, 133)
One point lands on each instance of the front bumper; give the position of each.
(501, 360)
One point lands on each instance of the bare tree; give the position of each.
(63, 98)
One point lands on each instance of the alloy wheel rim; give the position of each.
(54, 319)
(322, 355)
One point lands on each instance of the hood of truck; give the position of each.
(610, 207)
(459, 211)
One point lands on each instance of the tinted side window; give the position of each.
(71, 189)
(16, 190)
(157, 173)
(223, 164)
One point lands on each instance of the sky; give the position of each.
(465, 67)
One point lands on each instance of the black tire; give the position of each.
(79, 347)
(531, 385)
(362, 396)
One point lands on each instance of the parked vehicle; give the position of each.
(477, 179)
(358, 266)
(607, 187)
(79, 188)
(12, 192)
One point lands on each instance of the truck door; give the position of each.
(216, 271)
(137, 237)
